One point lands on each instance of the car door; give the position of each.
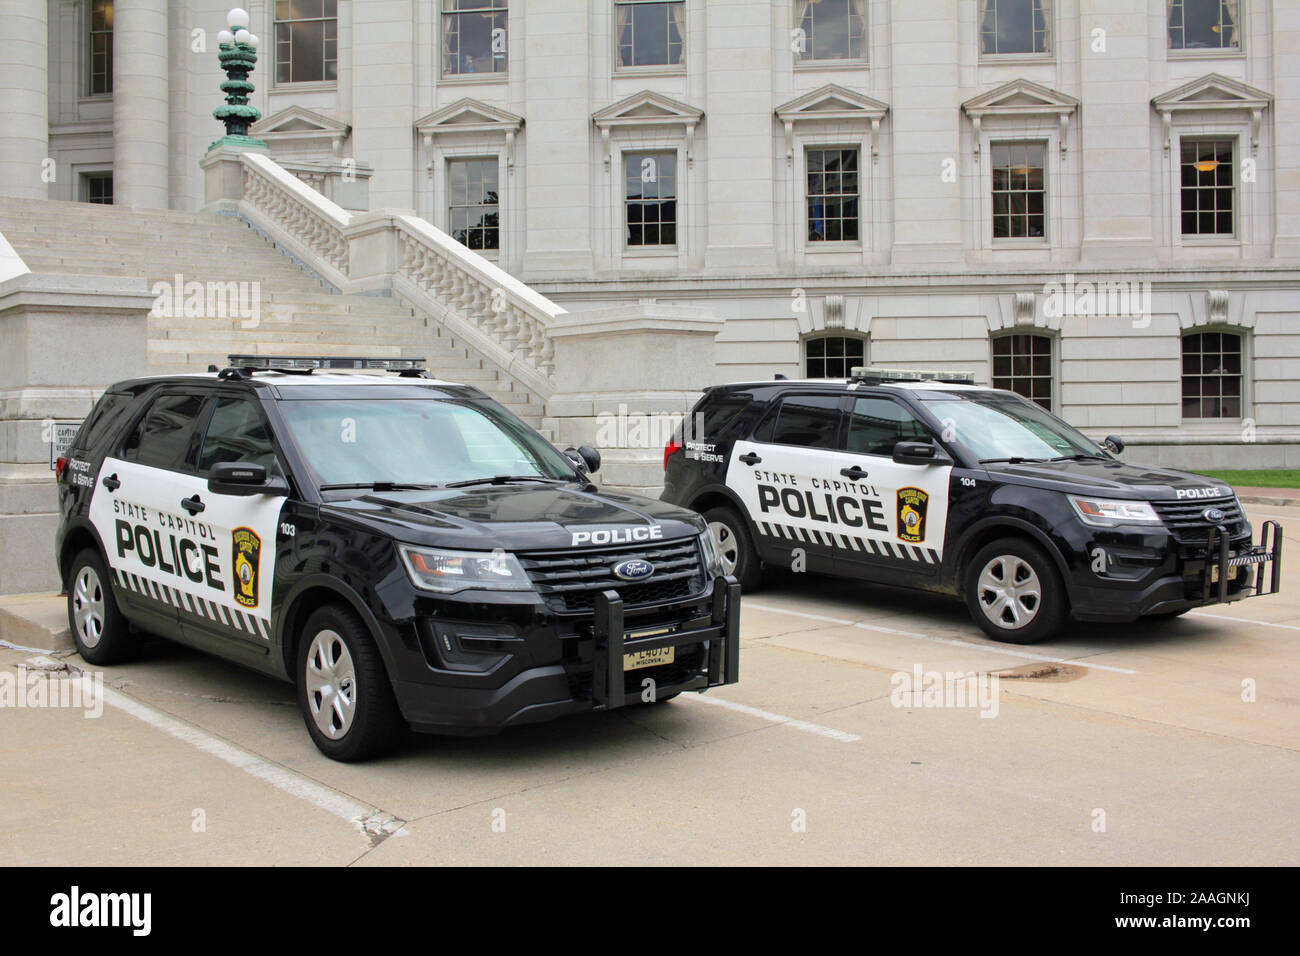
(231, 610)
(777, 473)
(151, 546)
(909, 502)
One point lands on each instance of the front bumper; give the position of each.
(594, 676)
(1219, 572)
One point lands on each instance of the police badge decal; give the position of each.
(247, 549)
(912, 504)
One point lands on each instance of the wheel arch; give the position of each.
(306, 597)
(81, 534)
(1003, 526)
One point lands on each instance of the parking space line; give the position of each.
(950, 641)
(1241, 620)
(781, 719)
(373, 823)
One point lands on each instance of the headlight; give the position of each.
(432, 569)
(1100, 511)
(712, 560)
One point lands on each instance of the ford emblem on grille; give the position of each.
(1213, 515)
(634, 570)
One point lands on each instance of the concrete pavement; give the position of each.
(1171, 743)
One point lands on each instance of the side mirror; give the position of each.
(590, 457)
(919, 453)
(1113, 444)
(244, 478)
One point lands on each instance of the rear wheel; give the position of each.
(344, 693)
(1014, 592)
(735, 547)
(100, 631)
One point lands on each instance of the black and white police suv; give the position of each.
(924, 480)
(403, 549)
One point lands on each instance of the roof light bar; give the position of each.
(875, 375)
(295, 363)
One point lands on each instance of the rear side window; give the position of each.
(162, 436)
(236, 432)
(713, 413)
(809, 421)
(96, 425)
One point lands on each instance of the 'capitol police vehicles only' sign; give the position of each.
(926, 481)
(406, 551)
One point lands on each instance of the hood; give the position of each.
(1112, 479)
(517, 517)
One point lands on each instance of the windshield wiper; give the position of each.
(501, 480)
(1082, 456)
(1013, 460)
(379, 486)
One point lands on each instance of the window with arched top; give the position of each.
(833, 356)
(1023, 363)
(1212, 375)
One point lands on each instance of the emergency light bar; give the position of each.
(301, 363)
(873, 375)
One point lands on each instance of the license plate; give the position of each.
(651, 658)
(1214, 574)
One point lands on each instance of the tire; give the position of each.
(736, 547)
(344, 693)
(1037, 607)
(100, 630)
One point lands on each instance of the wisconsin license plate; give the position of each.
(651, 658)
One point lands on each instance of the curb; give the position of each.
(36, 621)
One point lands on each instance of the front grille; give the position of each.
(569, 580)
(1187, 523)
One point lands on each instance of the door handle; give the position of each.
(193, 505)
(111, 482)
(854, 474)
(750, 459)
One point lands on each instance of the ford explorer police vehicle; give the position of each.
(924, 480)
(403, 549)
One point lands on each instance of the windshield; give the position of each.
(416, 441)
(997, 427)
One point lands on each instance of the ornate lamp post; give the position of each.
(237, 51)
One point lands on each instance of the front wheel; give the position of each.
(100, 631)
(1014, 592)
(735, 548)
(344, 693)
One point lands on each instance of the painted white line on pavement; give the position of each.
(781, 719)
(951, 641)
(1241, 620)
(369, 820)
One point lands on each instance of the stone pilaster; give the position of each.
(141, 139)
(24, 77)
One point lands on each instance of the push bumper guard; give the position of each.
(613, 641)
(1220, 562)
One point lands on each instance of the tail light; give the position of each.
(60, 463)
(670, 449)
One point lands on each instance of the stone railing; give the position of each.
(393, 252)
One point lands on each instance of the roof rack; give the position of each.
(874, 375)
(244, 365)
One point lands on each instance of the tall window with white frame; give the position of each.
(306, 41)
(474, 202)
(650, 33)
(474, 36)
(650, 203)
(1015, 26)
(1206, 191)
(100, 48)
(1212, 376)
(1019, 190)
(833, 356)
(1204, 24)
(833, 194)
(1022, 363)
(830, 30)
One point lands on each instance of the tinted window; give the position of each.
(237, 432)
(162, 436)
(878, 424)
(809, 421)
(713, 413)
(100, 417)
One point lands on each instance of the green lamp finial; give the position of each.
(237, 52)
